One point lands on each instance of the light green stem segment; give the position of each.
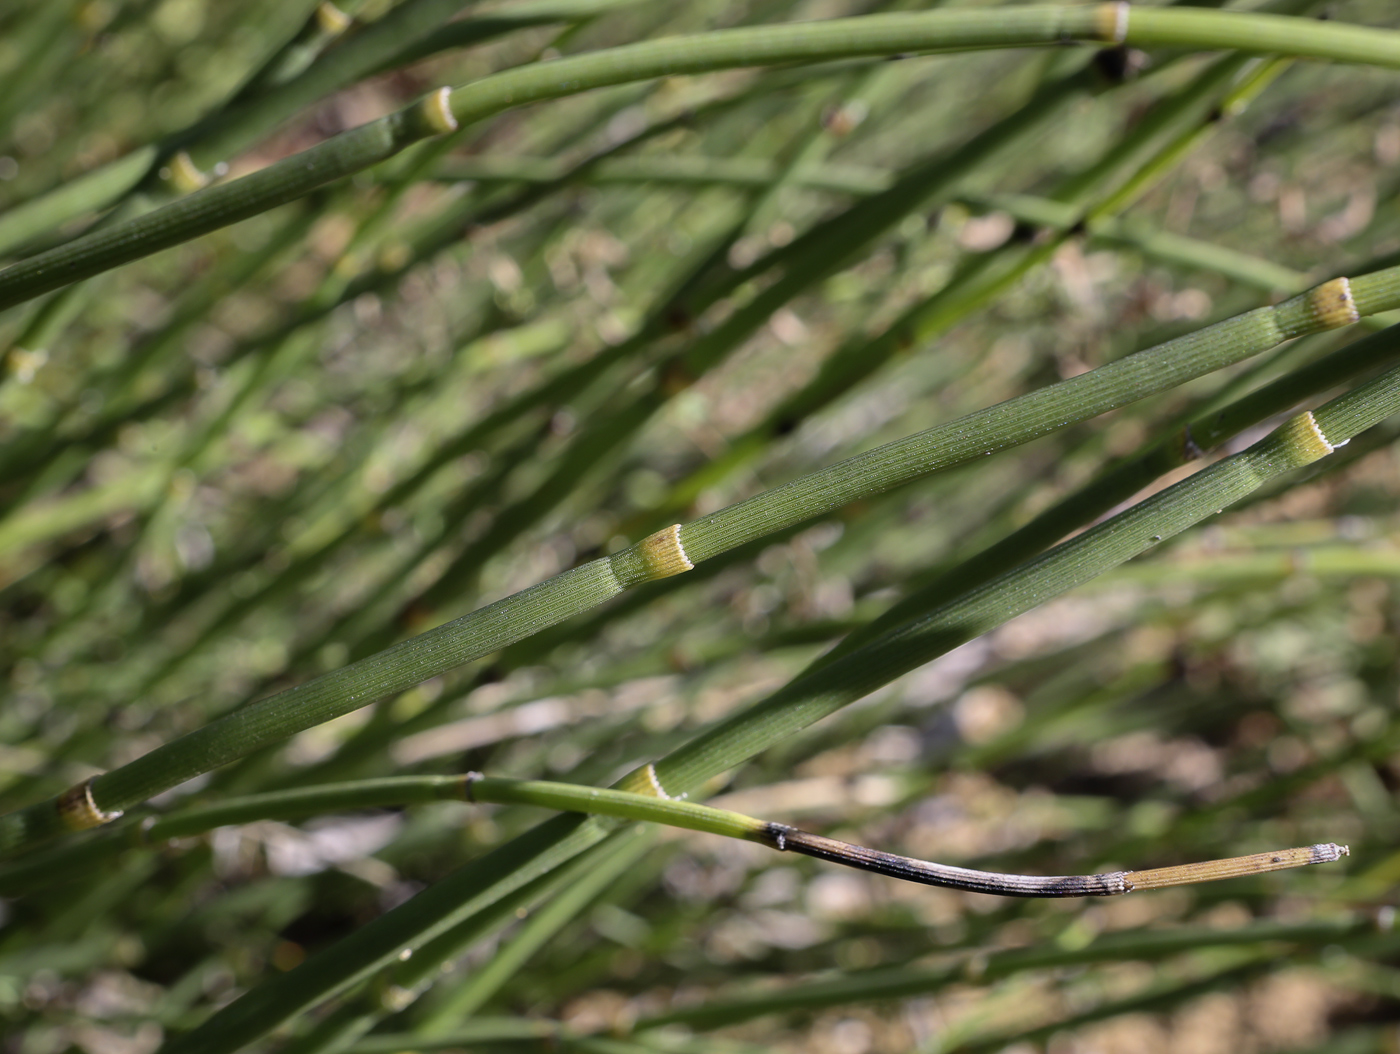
(650, 804)
(1259, 34)
(1111, 23)
(868, 36)
(293, 804)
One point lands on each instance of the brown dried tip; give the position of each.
(79, 812)
(1236, 866)
(662, 554)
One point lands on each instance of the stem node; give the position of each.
(1333, 305)
(182, 175)
(663, 555)
(1304, 439)
(331, 20)
(78, 810)
(434, 110)
(1113, 22)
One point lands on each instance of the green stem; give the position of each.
(1300, 441)
(215, 207)
(870, 36)
(1193, 440)
(1036, 414)
(387, 792)
(1228, 569)
(456, 899)
(677, 549)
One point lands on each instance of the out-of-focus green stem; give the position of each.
(218, 206)
(90, 191)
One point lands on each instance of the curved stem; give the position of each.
(868, 36)
(779, 836)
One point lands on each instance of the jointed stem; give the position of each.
(869, 36)
(655, 806)
(779, 836)
(454, 901)
(675, 549)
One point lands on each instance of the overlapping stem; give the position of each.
(1195, 439)
(453, 901)
(779, 836)
(678, 548)
(874, 35)
(1300, 441)
(1032, 415)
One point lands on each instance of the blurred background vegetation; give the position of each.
(275, 449)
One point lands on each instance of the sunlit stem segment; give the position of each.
(695, 817)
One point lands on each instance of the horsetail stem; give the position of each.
(656, 805)
(657, 556)
(456, 900)
(1019, 420)
(867, 36)
(678, 548)
(651, 803)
